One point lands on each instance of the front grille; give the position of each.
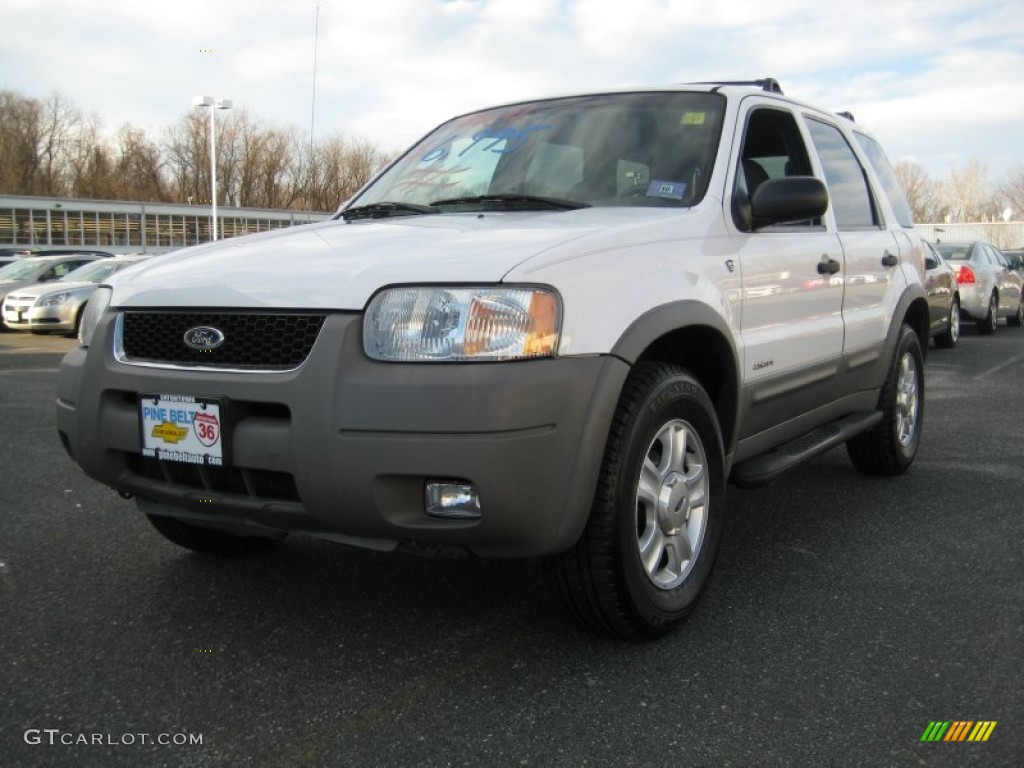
(266, 341)
(252, 483)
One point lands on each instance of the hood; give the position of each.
(339, 265)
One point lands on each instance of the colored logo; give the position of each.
(958, 730)
(203, 338)
(169, 432)
(207, 428)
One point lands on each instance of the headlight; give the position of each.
(433, 324)
(94, 309)
(53, 299)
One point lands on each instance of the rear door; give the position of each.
(871, 250)
(1008, 282)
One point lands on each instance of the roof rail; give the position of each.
(769, 84)
(848, 115)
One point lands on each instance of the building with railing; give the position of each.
(129, 227)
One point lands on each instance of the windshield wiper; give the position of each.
(384, 210)
(514, 202)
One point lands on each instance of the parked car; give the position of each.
(8, 255)
(943, 298)
(552, 328)
(1015, 258)
(58, 305)
(39, 269)
(989, 289)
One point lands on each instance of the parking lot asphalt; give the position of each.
(845, 614)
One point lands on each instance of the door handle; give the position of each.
(889, 260)
(828, 266)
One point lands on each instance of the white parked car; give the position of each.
(57, 306)
(989, 288)
(552, 328)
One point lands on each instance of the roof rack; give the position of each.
(848, 115)
(769, 84)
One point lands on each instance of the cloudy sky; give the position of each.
(940, 82)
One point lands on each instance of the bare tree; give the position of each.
(969, 193)
(1012, 191)
(140, 167)
(49, 148)
(187, 150)
(923, 194)
(20, 120)
(59, 122)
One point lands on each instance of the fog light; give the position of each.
(452, 500)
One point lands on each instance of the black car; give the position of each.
(943, 298)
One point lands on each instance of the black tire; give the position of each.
(73, 333)
(661, 490)
(891, 445)
(949, 338)
(1017, 318)
(987, 326)
(209, 541)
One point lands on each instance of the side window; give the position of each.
(847, 185)
(773, 148)
(883, 169)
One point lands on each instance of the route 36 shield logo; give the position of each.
(207, 428)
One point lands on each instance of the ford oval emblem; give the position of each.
(203, 338)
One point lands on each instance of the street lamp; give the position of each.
(214, 105)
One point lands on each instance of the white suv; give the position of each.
(553, 328)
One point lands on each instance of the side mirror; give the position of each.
(791, 199)
(930, 263)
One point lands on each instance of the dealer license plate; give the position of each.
(183, 428)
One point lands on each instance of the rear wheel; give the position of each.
(987, 326)
(654, 528)
(949, 338)
(890, 447)
(208, 541)
(1017, 318)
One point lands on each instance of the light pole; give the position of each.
(214, 105)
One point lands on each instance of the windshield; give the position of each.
(636, 149)
(95, 272)
(955, 251)
(26, 269)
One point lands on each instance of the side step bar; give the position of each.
(764, 468)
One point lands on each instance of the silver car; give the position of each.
(58, 305)
(989, 289)
(39, 269)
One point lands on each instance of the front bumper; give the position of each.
(343, 446)
(27, 317)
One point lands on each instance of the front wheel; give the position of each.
(656, 521)
(948, 338)
(891, 445)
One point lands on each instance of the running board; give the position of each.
(766, 467)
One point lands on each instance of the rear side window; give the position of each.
(848, 188)
(883, 169)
